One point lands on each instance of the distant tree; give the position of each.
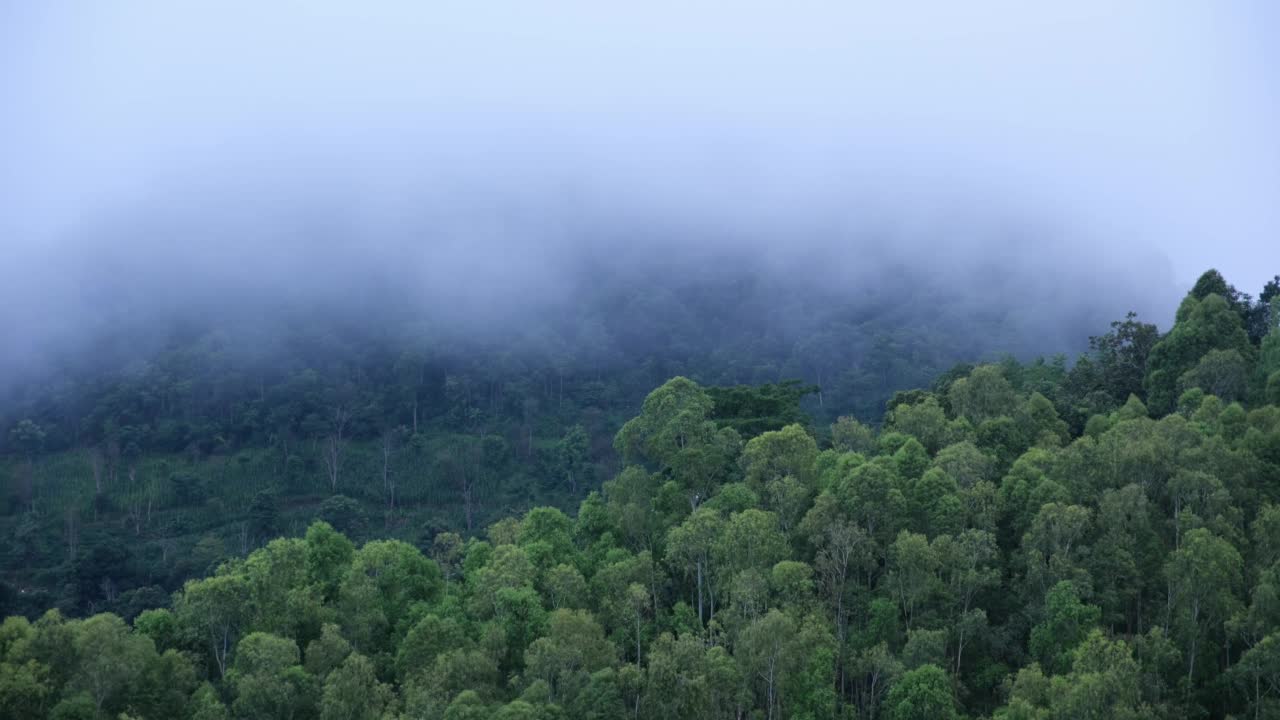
(392, 439)
(343, 513)
(849, 435)
(752, 410)
(27, 437)
(573, 456)
(410, 369)
(984, 395)
(334, 445)
(1269, 356)
(1263, 317)
(263, 514)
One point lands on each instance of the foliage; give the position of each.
(985, 552)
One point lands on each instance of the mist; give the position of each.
(485, 164)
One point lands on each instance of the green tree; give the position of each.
(206, 705)
(24, 689)
(1203, 324)
(1066, 623)
(691, 548)
(964, 463)
(352, 692)
(280, 599)
(429, 638)
(343, 513)
(215, 608)
(849, 435)
(872, 498)
(573, 648)
(547, 534)
(573, 457)
(922, 694)
(1104, 683)
(675, 435)
(1221, 373)
(1258, 673)
(329, 554)
(767, 650)
(385, 579)
(926, 421)
(269, 681)
(934, 503)
(1121, 356)
(984, 395)
(328, 651)
(772, 456)
(968, 568)
(751, 540)
(1203, 576)
(912, 577)
(1055, 548)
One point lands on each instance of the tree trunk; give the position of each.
(699, 566)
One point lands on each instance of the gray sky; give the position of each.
(1140, 138)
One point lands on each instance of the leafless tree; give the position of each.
(73, 533)
(96, 461)
(109, 589)
(389, 437)
(335, 443)
(135, 516)
(457, 464)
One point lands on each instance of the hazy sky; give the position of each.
(1111, 130)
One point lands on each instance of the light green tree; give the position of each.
(268, 680)
(352, 692)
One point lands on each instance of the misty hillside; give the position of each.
(184, 429)
(665, 361)
(460, 532)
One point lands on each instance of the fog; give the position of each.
(484, 161)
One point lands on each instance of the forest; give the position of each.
(896, 511)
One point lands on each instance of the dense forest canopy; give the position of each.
(1014, 539)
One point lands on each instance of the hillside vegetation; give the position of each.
(1017, 540)
(178, 441)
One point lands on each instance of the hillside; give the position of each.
(167, 445)
(1013, 541)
